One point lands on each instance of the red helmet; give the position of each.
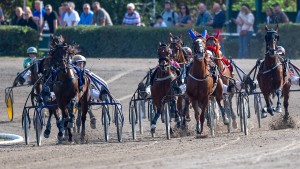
(280, 50)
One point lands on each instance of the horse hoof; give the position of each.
(234, 124)
(46, 133)
(188, 119)
(278, 110)
(264, 115)
(93, 123)
(270, 110)
(71, 125)
(153, 129)
(225, 120)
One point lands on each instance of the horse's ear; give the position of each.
(266, 28)
(204, 33)
(170, 37)
(217, 35)
(159, 43)
(207, 35)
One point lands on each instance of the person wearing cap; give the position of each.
(100, 17)
(132, 17)
(279, 14)
(28, 61)
(169, 15)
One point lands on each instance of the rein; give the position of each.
(269, 70)
(199, 80)
(164, 78)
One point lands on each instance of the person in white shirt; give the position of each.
(244, 21)
(71, 17)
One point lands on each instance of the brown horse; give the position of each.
(227, 75)
(272, 77)
(201, 83)
(66, 87)
(176, 44)
(162, 84)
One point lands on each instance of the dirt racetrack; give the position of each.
(262, 148)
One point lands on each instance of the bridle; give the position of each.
(199, 49)
(60, 61)
(271, 39)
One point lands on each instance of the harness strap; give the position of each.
(268, 71)
(199, 80)
(164, 78)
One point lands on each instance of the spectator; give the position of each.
(218, 20)
(100, 17)
(64, 7)
(269, 16)
(169, 16)
(29, 19)
(61, 12)
(1, 16)
(86, 16)
(51, 19)
(298, 17)
(39, 12)
(245, 21)
(279, 15)
(184, 18)
(18, 20)
(132, 17)
(159, 23)
(204, 18)
(71, 17)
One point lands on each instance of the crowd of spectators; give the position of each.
(46, 18)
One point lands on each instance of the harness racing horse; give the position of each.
(227, 75)
(162, 85)
(66, 87)
(201, 83)
(272, 77)
(178, 55)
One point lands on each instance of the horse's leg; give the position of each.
(177, 115)
(203, 111)
(48, 126)
(187, 109)
(278, 107)
(60, 126)
(92, 118)
(179, 106)
(197, 115)
(286, 94)
(268, 103)
(71, 123)
(84, 108)
(78, 119)
(233, 114)
(154, 120)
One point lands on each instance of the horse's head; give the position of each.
(164, 53)
(199, 48)
(176, 44)
(60, 56)
(212, 44)
(271, 39)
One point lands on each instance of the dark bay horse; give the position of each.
(226, 72)
(178, 55)
(201, 83)
(272, 77)
(162, 84)
(66, 87)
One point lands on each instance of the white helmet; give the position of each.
(78, 58)
(280, 50)
(188, 51)
(31, 50)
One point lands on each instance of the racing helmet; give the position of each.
(78, 58)
(32, 50)
(188, 51)
(280, 50)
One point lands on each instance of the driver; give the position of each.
(28, 61)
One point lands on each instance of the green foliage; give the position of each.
(286, 5)
(15, 40)
(120, 41)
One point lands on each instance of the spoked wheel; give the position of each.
(38, 123)
(167, 120)
(258, 108)
(151, 111)
(141, 111)
(211, 116)
(25, 121)
(133, 120)
(119, 122)
(240, 110)
(9, 103)
(105, 122)
(244, 112)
